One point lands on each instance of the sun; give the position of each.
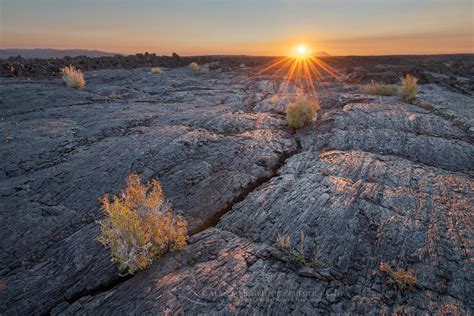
(301, 50)
(300, 68)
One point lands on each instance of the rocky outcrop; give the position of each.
(36, 67)
(372, 179)
(454, 72)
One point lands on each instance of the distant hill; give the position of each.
(50, 53)
(321, 54)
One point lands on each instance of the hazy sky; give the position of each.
(261, 27)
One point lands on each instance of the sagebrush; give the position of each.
(383, 89)
(73, 77)
(140, 226)
(408, 88)
(402, 279)
(194, 66)
(302, 111)
(156, 71)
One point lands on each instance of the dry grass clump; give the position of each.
(302, 111)
(156, 71)
(401, 278)
(283, 242)
(140, 226)
(193, 66)
(73, 77)
(374, 88)
(408, 88)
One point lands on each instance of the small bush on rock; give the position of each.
(401, 278)
(283, 242)
(73, 77)
(316, 264)
(302, 111)
(298, 254)
(139, 226)
(408, 88)
(380, 89)
(193, 66)
(156, 71)
(299, 257)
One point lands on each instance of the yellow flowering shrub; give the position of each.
(140, 226)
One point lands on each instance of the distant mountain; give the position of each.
(50, 53)
(321, 54)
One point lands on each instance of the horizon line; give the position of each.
(232, 55)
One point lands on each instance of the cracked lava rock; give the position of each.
(372, 179)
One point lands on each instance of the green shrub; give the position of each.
(408, 88)
(193, 66)
(380, 89)
(139, 226)
(73, 77)
(298, 254)
(299, 258)
(302, 111)
(283, 242)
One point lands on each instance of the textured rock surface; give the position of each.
(63, 149)
(372, 179)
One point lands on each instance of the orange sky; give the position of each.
(257, 27)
